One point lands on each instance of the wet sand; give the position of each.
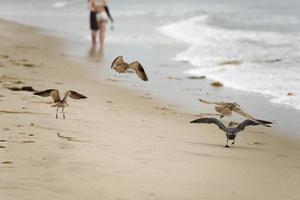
(118, 144)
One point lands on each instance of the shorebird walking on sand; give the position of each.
(121, 66)
(60, 103)
(226, 109)
(231, 131)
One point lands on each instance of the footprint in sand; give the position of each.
(7, 162)
(143, 97)
(28, 65)
(281, 155)
(112, 80)
(196, 77)
(18, 82)
(256, 143)
(58, 83)
(28, 142)
(162, 108)
(4, 56)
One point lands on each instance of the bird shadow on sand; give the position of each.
(210, 155)
(221, 146)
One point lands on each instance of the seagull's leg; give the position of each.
(233, 142)
(63, 112)
(227, 144)
(57, 113)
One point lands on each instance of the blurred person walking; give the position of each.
(99, 16)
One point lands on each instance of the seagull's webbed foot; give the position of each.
(227, 144)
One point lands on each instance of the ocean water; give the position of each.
(250, 46)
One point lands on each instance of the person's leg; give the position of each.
(102, 31)
(93, 27)
(94, 37)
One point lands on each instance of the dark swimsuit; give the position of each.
(93, 21)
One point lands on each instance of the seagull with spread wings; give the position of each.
(226, 109)
(121, 66)
(58, 102)
(231, 131)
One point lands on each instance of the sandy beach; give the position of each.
(118, 144)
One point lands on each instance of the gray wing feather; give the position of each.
(264, 121)
(247, 122)
(210, 121)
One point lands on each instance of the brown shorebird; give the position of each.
(231, 131)
(121, 66)
(226, 109)
(58, 102)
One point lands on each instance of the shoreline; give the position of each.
(127, 147)
(181, 93)
(183, 99)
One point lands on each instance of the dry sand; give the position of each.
(116, 145)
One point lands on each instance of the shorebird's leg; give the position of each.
(63, 112)
(57, 113)
(227, 144)
(233, 142)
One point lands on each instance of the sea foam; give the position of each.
(260, 61)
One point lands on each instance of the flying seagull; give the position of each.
(60, 103)
(226, 109)
(230, 131)
(121, 66)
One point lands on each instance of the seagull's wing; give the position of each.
(213, 102)
(117, 60)
(210, 121)
(139, 70)
(223, 110)
(241, 112)
(74, 95)
(226, 109)
(50, 92)
(119, 65)
(247, 122)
